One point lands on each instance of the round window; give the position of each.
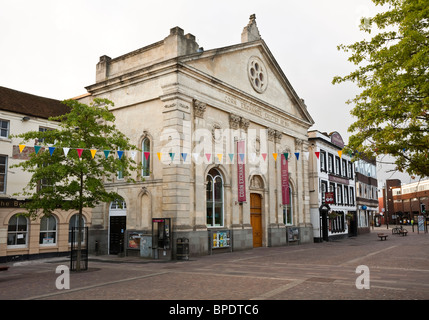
(257, 74)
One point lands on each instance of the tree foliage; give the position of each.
(70, 182)
(392, 109)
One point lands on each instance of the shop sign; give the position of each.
(11, 203)
(329, 197)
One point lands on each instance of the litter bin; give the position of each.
(182, 249)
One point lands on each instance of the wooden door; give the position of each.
(256, 218)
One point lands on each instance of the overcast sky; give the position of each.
(51, 48)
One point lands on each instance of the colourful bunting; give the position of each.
(21, 147)
(159, 155)
(297, 155)
(184, 155)
(219, 156)
(93, 152)
(106, 153)
(120, 153)
(275, 156)
(264, 156)
(317, 154)
(171, 156)
(79, 152)
(340, 153)
(231, 156)
(51, 150)
(208, 155)
(37, 149)
(66, 151)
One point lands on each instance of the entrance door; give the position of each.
(117, 233)
(256, 218)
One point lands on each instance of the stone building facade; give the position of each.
(212, 126)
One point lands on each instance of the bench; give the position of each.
(4, 268)
(403, 232)
(382, 236)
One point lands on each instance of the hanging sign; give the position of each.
(329, 197)
(241, 175)
(285, 180)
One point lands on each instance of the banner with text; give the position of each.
(241, 172)
(285, 180)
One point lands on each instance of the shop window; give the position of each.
(214, 198)
(17, 231)
(48, 231)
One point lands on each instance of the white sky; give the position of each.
(51, 47)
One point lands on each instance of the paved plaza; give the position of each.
(398, 270)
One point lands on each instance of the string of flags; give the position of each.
(172, 155)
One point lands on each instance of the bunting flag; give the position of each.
(120, 153)
(219, 156)
(37, 149)
(317, 154)
(306, 155)
(159, 155)
(79, 152)
(241, 156)
(184, 155)
(66, 151)
(264, 156)
(286, 155)
(297, 155)
(93, 152)
(275, 156)
(106, 153)
(21, 147)
(171, 155)
(231, 157)
(208, 155)
(195, 156)
(340, 153)
(146, 155)
(51, 150)
(133, 154)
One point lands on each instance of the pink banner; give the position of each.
(285, 180)
(241, 172)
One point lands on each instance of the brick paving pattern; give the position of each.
(320, 271)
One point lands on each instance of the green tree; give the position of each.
(75, 181)
(392, 109)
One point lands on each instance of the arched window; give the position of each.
(214, 198)
(288, 210)
(74, 223)
(48, 230)
(145, 157)
(17, 231)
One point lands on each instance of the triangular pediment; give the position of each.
(251, 69)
